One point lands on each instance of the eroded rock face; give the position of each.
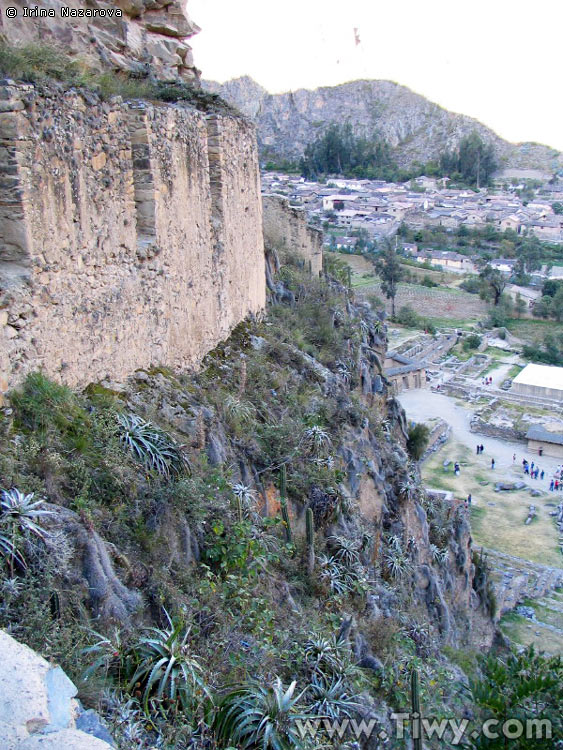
(137, 36)
(417, 128)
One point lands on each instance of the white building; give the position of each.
(541, 381)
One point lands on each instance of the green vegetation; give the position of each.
(418, 440)
(527, 686)
(472, 163)
(408, 317)
(41, 63)
(389, 269)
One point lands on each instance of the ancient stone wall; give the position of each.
(286, 226)
(130, 234)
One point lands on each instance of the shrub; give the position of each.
(418, 440)
(473, 341)
(408, 317)
(473, 285)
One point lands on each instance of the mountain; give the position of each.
(416, 128)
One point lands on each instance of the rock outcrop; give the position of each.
(130, 234)
(37, 708)
(416, 128)
(142, 37)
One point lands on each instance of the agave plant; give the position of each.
(347, 550)
(340, 578)
(323, 654)
(316, 439)
(109, 654)
(19, 514)
(167, 669)
(152, 447)
(255, 715)
(439, 555)
(237, 410)
(244, 497)
(330, 697)
(396, 563)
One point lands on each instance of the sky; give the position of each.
(499, 61)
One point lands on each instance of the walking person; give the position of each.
(482, 447)
(542, 475)
(477, 451)
(551, 485)
(513, 457)
(492, 463)
(556, 487)
(469, 499)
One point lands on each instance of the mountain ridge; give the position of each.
(416, 128)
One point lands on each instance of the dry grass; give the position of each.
(499, 526)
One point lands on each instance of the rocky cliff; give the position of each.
(416, 128)
(141, 37)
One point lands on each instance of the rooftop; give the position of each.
(537, 432)
(546, 376)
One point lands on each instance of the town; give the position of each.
(520, 202)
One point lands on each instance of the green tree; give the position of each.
(542, 307)
(557, 207)
(494, 283)
(526, 686)
(557, 305)
(520, 305)
(390, 271)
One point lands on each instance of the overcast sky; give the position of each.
(497, 60)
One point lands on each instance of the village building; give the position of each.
(540, 381)
(549, 443)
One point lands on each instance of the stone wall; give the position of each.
(286, 226)
(130, 234)
(141, 37)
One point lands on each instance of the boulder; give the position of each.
(37, 709)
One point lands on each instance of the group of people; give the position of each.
(479, 450)
(487, 381)
(557, 481)
(532, 470)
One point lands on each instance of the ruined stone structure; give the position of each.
(286, 226)
(141, 37)
(404, 373)
(130, 234)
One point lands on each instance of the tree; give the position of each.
(557, 207)
(520, 305)
(550, 287)
(527, 686)
(390, 271)
(473, 162)
(557, 305)
(495, 282)
(542, 307)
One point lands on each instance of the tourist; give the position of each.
(482, 448)
(456, 469)
(477, 450)
(540, 451)
(552, 485)
(469, 499)
(492, 463)
(513, 457)
(532, 467)
(542, 475)
(556, 485)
